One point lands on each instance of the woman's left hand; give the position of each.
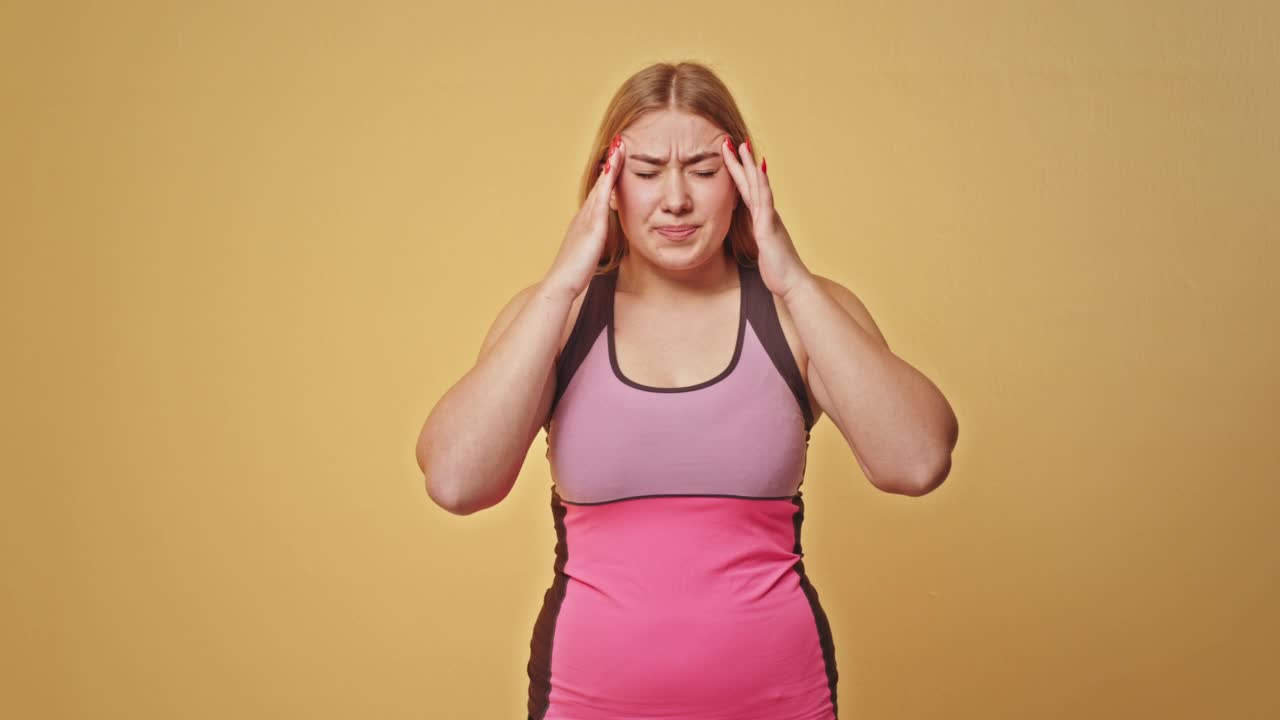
(780, 264)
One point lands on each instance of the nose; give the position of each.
(675, 194)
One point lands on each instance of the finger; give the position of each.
(766, 190)
(601, 181)
(736, 171)
(609, 178)
(749, 169)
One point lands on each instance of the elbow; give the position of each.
(913, 484)
(448, 499)
(443, 493)
(926, 482)
(934, 473)
(460, 493)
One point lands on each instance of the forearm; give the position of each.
(476, 438)
(899, 422)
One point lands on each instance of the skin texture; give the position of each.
(648, 194)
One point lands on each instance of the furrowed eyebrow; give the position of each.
(695, 158)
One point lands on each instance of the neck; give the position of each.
(638, 276)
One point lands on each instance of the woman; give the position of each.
(678, 353)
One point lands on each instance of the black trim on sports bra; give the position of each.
(608, 300)
(756, 306)
(762, 311)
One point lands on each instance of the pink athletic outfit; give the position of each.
(679, 592)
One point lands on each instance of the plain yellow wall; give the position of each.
(248, 245)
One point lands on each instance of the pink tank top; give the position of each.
(678, 588)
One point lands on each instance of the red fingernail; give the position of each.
(606, 167)
(764, 166)
(749, 146)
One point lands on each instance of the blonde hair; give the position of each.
(688, 87)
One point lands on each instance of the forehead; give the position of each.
(663, 131)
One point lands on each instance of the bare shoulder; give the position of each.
(853, 305)
(513, 308)
(847, 299)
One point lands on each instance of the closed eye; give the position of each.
(700, 174)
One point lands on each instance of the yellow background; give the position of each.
(248, 245)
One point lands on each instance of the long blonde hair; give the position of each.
(688, 87)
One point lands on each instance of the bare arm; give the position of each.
(475, 440)
(902, 424)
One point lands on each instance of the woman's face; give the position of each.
(674, 174)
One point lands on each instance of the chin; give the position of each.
(680, 257)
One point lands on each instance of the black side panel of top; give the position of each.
(763, 314)
(542, 641)
(822, 623)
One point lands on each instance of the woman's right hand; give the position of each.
(584, 241)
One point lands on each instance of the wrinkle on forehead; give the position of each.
(661, 134)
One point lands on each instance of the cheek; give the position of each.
(723, 193)
(720, 187)
(636, 193)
